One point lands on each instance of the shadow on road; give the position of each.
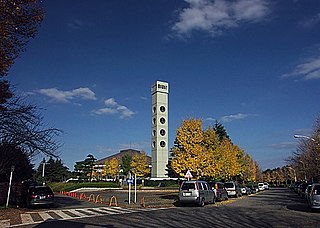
(69, 224)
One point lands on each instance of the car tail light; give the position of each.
(33, 196)
(217, 187)
(50, 196)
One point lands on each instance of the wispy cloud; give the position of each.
(284, 145)
(75, 24)
(113, 108)
(310, 22)
(67, 96)
(309, 69)
(215, 17)
(234, 117)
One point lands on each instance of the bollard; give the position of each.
(115, 202)
(142, 202)
(91, 198)
(99, 199)
(82, 196)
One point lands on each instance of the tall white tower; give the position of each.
(159, 144)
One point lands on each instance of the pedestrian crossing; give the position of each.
(76, 213)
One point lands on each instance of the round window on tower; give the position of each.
(162, 132)
(154, 109)
(154, 120)
(162, 143)
(162, 120)
(153, 144)
(162, 109)
(154, 133)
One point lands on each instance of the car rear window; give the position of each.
(41, 191)
(316, 190)
(229, 185)
(188, 186)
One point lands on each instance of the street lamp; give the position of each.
(305, 137)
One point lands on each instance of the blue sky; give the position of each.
(253, 65)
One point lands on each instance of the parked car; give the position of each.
(233, 189)
(314, 197)
(196, 192)
(253, 188)
(219, 191)
(302, 189)
(308, 192)
(261, 186)
(266, 186)
(39, 195)
(243, 190)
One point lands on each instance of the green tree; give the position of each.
(84, 169)
(126, 164)
(11, 155)
(221, 131)
(55, 171)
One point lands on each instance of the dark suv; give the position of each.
(39, 195)
(219, 191)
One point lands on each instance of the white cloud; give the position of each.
(217, 16)
(112, 108)
(308, 70)
(233, 117)
(66, 96)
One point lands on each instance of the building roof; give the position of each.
(122, 153)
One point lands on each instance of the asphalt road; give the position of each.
(272, 208)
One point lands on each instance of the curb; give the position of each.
(5, 223)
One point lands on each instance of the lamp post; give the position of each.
(43, 169)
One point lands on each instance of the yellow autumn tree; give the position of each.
(249, 171)
(140, 165)
(188, 152)
(230, 166)
(111, 168)
(210, 144)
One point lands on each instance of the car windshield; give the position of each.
(229, 185)
(188, 186)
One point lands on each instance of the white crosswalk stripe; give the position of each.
(26, 218)
(79, 213)
(62, 214)
(45, 216)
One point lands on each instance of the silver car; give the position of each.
(195, 192)
(314, 197)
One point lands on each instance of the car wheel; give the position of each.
(201, 203)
